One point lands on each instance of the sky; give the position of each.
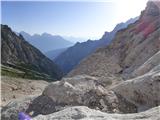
(84, 19)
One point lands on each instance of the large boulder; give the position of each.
(142, 91)
(79, 90)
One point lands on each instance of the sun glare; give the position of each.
(126, 9)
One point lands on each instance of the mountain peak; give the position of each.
(46, 34)
(149, 20)
(152, 9)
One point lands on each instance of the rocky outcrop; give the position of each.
(10, 111)
(77, 112)
(79, 90)
(81, 113)
(142, 91)
(150, 64)
(135, 95)
(18, 53)
(131, 48)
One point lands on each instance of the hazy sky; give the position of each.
(87, 19)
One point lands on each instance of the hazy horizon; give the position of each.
(87, 20)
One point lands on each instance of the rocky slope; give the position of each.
(69, 58)
(113, 83)
(46, 42)
(130, 48)
(21, 56)
(132, 96)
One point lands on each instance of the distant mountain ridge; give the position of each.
(46, 42)
(20, 59)
(73, 55)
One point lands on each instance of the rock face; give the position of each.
(18, 52)
(69, 59)
(149, 65)
(142, 91)
(130, 48)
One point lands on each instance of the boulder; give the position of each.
(142, 91)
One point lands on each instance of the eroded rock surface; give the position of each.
(80, 90)
(84, 113)
(143, 91)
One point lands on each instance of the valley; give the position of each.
(114, 78)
